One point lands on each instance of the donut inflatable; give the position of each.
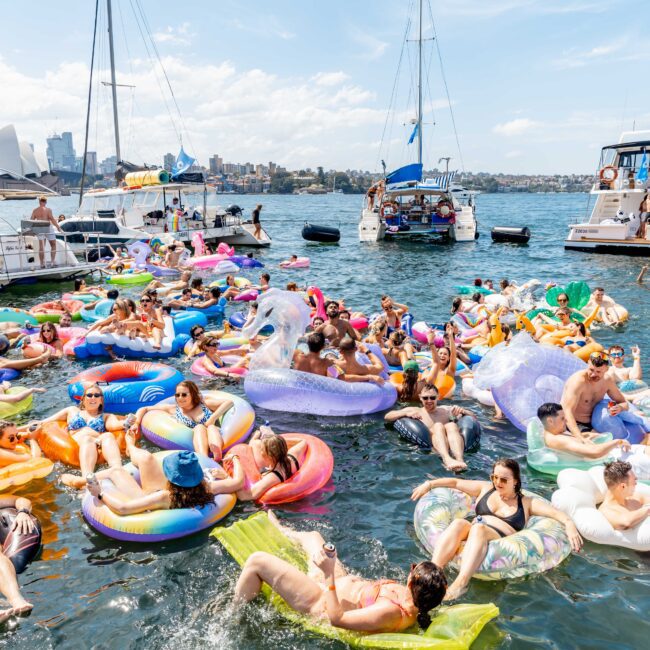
(416, 431)
(20, 548)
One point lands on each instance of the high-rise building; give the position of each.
(168, 161)
(60, 152)
(108, 165)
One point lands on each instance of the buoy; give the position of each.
(320, 233)
(509, 234)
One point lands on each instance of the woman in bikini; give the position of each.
(275, 462)
(501, 510)
(91, 429)
(347, 601)
(213, 362)
(199, 413)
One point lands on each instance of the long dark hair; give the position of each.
(456, 304)
(49, 326)
(193, 390)
(428, 586)
(409, 386)
(194, 497)
(513, 466)
(276, 448)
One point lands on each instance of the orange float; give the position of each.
(314, 472)
(444, 383)
(25, 471)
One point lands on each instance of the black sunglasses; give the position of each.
(145, 299)
(182, 394)
(428, 398)
(97, 395)
(212, 345)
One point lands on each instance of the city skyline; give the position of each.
(310, 101)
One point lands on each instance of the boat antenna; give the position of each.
(90, 90)
(419, 124)
(113, 84)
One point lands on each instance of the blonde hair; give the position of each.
(82, 401)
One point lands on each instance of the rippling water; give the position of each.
(90, 591)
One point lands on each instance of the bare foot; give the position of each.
(77, 482)
(6, 614)
(454, 465)
(455, 591)
(217, 452)
(21, 606)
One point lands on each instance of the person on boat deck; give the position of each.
(501, 510)
(348, 362)
(92, 430)
(618, 370)
(44, 214)
(622, 506)
(334, 329)
(214, 364)
(393, 312)
(275, 461)
(606, 307)
(11, 436)
(446, 438)
(398, 350)
(178, 482)
(346, 601)
(197, 412)
(9, 587)
(644, 216)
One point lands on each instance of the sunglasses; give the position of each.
(199, 333)
(428, 398)
(145, 299)
(94, 395)
(182, 394)
(500, 479)
(597, 356)
(12, 438)
(616, 355)
(562, 300)
(212, 345)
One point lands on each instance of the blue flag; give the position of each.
(642, 174)
(415, 132)
(183, 163)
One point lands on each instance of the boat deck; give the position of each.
(54, 273)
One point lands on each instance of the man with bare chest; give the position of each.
(334, 328)
(43, 213)
(586, 388)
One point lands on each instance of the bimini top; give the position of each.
(632, 140)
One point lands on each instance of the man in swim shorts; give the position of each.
(43, 213)
(622, 506)
(334, 329)
(446, 438)
(586, 388)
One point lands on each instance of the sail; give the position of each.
(404, 174)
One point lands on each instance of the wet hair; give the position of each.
(194, 328)
(456, 304)
(82, 401)
(167, 310)
(292, 286)
(513, 466)
(186, 291)
(193, 390)
(276, 448)
(504, 284)
(428, 586)
(397, 337)
(119, 268)
(51, 327)
(476, 297)
(194, 497)
(598, 362)
(197, 283)
(430, 387)
(409, 385)
(316, 342)
(615, 348)
(112, 294)
(347, 343)
(215, 292)
(478, 282)
(616, 472)
(582, 329)
(266, 276)
(78, 284)
(548, 410)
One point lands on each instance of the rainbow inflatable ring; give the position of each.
(157, 525)
(163, 430)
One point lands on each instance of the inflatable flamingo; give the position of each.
(319, 300)
(220, 258)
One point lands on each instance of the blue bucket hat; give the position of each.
(183, 469)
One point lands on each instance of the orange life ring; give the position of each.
(22, 472)
(604, 170)
(391, 204)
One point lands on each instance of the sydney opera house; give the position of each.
(22, 171)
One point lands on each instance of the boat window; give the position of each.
(630, 159)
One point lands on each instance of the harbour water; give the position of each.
(91, 591)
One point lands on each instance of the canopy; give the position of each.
(404, 174)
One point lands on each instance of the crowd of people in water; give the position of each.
(334, 348)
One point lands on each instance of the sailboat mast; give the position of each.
(420, 88)
(113, 84)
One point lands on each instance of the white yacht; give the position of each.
(124, 215)
(614, 225)
(404, 205)
(462, 194)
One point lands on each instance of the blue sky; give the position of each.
(536, 86)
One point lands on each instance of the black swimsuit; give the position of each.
(517, 521)
(278, 474)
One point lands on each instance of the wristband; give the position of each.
(25, 511)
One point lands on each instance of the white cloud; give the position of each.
(492, 8)
(259, 25)
(515, 153)
(515, 127)
(574, 58)
(330, 78)
(372, 47)
(180, 35)
(244, 115)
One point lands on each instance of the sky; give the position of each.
(536, 86)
